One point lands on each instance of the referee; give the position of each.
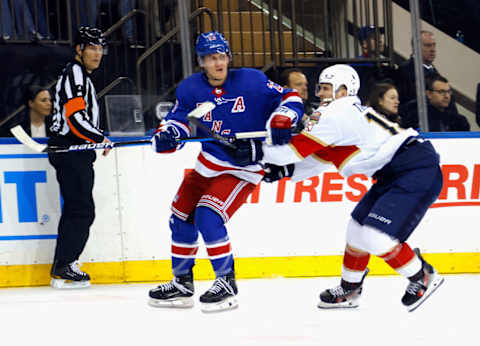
(76, 121)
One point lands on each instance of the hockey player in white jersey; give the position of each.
(357, 140)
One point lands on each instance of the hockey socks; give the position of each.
(354, 264)
(184, 245)
(214, 233)
(403, 260)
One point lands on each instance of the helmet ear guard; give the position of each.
(341, 75)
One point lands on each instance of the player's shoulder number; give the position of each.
(275, 86)
(378, 119)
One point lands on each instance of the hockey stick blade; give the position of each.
(201, 110)
(26, 140)
(194, 118)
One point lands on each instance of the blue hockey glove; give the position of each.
(247, 152)
(274, 172)
(164, 141)
(280, 129)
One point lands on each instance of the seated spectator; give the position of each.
(371, 73)
(35, 119)
(384, 99)
(440, 116)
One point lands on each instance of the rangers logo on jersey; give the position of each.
(218, 92)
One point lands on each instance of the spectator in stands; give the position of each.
(130, 33)
(384, 99)
(36, 119)
(440, 116)
(371, 73)
(368, 42)
(406, 70)
(6, 27)
(294, 78)
(30, 19)
(84, 13)
(39, 105)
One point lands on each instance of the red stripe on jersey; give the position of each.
(305, 145)
(401, 255)
(337, 155)
(291, 93)
(213, 166)
(354, 260)
(219, 250)
(185, 251)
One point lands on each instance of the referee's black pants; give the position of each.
(75, 176)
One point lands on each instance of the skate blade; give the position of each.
(437, 281)
(68, 284)
(227, 304)
(344, 305)
(174, 303)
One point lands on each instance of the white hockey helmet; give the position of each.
(338, 75)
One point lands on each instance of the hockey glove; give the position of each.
(164, 141)
(247, 152)
(280, 129)
(274, 172)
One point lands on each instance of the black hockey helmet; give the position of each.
(89, 36)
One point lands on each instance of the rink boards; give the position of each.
(286, 229)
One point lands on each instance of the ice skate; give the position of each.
(419, 290)
(174, 294)
(69, 276)
(221, 296)
(346, 295)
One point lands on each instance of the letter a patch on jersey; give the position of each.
(239, 105)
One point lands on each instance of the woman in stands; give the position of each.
(384, 99)
(36, 118)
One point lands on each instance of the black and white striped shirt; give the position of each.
(75, 107)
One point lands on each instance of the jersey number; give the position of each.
(387, 125)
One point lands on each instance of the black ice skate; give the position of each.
(346, 295)
(174, 294)
(221, 296)
(422, 285)
(69, 276)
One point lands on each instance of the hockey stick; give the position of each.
(193, 117)
(25, 139)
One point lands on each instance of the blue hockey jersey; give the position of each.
(245, 102)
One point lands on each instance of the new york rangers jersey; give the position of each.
(244, 103)
(353, 138)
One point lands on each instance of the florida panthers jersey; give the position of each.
(353, 138)
(244, 103)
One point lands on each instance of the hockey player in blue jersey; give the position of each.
(211, 193)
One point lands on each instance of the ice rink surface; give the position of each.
(271, 312)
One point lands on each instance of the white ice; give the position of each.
(272, 312)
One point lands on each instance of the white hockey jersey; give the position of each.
(353, 138)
